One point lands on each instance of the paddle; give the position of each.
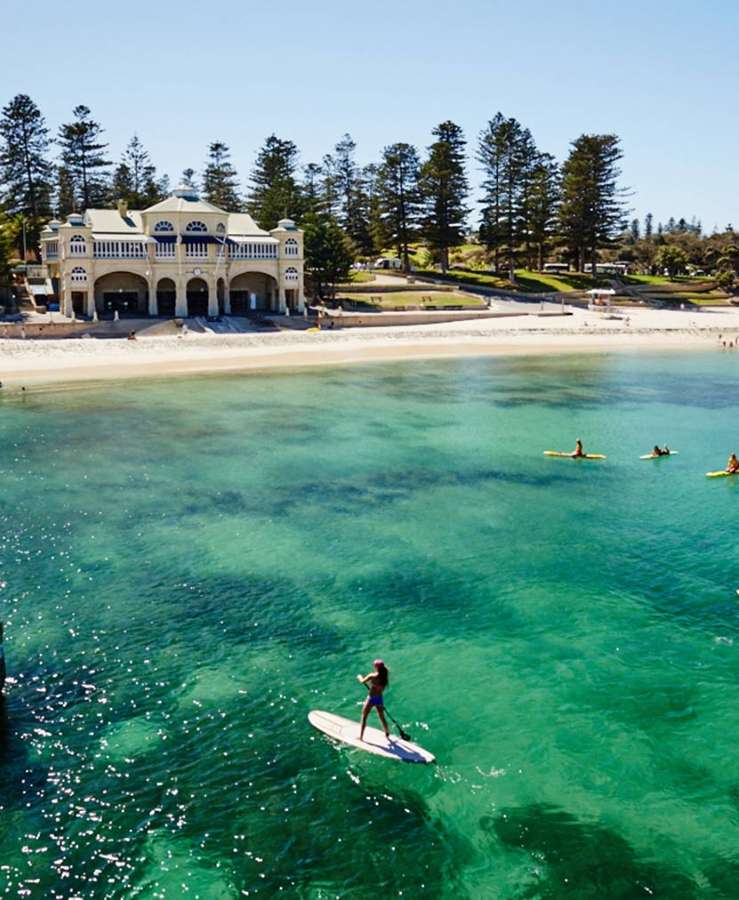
(403, 734)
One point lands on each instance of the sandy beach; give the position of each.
(25, 363)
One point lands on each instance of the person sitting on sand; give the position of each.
(578, 449)
(377, 681)
(732, 466)
(131, 335)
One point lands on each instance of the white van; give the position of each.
(385, 262)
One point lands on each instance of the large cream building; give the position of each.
(181, 257)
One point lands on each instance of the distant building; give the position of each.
(181, 257)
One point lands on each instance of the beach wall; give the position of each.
(51, 331)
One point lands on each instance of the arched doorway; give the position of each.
(121, 292)
(221, 294)
(78, 304)
(197, 297)
(166, 297)
(252, 293)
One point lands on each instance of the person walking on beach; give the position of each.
(376, 681)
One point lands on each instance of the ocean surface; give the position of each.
(189, 566)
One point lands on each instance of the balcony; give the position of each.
(119, 250)
(196, 250)
(252, 250)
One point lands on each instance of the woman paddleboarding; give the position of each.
(376, 681)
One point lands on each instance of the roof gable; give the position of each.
(186, 205)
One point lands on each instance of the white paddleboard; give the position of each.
(347, 731)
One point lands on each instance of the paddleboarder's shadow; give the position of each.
(397, 749)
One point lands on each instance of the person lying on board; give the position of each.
(732, 466)
(660, 451)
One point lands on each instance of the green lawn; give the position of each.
(430, 300)
(527, 282)
(358, 276)
(562, 281)
(662, 279)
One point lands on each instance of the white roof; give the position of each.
(108, 224)
(190, 204)
(243, 224)
(110, 221)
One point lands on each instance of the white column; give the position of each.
(180, 303)
(90, 302)
(282, 302)
(226, 298)
(153, 303)
(212, 295)
(66, 298)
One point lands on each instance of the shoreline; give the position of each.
(26, 363)
(146, 359)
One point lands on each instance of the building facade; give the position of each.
(181, 257)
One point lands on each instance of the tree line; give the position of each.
(531, 206)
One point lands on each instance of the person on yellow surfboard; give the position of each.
(578, 451)
(732, 466)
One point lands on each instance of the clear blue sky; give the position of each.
(665, 77)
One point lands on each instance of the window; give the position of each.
(221, 229)
(78, 275)
(163, 226)
(196, 226)
(291, 247)
(291, 274)
(77, 245)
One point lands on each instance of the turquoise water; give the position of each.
(190, 566)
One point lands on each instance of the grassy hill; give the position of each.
(527, 282)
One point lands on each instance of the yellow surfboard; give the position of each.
(560, 453)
